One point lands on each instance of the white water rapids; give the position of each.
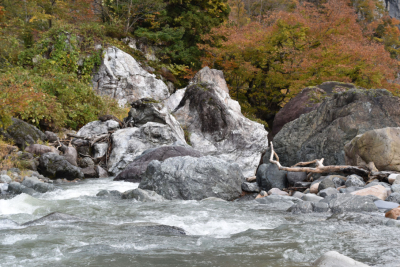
(218, 233)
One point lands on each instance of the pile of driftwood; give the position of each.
(368, 172)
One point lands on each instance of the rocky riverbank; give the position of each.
(195, 145)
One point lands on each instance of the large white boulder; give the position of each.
(215, 123)
(129, 143)
(121, 77)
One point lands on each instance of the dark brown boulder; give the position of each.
(306, 101)
(134, 171)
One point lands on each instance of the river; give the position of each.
(217, 233)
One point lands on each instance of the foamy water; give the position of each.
(218, 233)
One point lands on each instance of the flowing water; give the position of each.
(217, 233)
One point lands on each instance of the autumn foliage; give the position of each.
(268, 62)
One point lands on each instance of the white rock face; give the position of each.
(100, 149)
(129, 143)
(97, 128)
(121, 77)
(215, 122)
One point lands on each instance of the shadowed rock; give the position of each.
(135, 170)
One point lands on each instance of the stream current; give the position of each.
(217, 233)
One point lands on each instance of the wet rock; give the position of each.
(193, 178)
(392, 177)
(54, 216)
(250, 187)
(269, 176)
(277, 191)
(30, 182)
(393, 214)
(354, 180)
(15, 188)
(90, 172)
(100, 149)
(298, 194)
(302, 207)
(340, 203)
(109, 193)
(320, 207)
(70, 154)
(22, 133)
(85, 162)
(314, 188)
(148, 228)
(136, 169)
(379, 146)
(312, 198)
(43, 187)
(129, 143)
(3, 188)
(395, 188)
(247, 197)
(142, 195)
(335, 259)
(37, 149)
(295, 177)
(213, 199)
(51, 137)
(101, 173)
(326, 183)
(277, 202)
(385, 205)
(394, 197)
(215, 123)
(323, 133)
(327, 192)
(54, 166)
(4, 178)
(377, 190)
(121, 77)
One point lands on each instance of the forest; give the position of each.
(268, 50)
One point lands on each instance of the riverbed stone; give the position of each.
(55, 166)
(393, 214)
(192, 178)
(320, 207)
(101, 173)
(392, 177)
(301, 207)
(350, 189)
(43, 187)
(385, 205)
(36, 149)
(327, 192)
(326, 183)
(297, 194)
(277, 191)
(377, 190)
(395, 188)
(4, 178)
(250, 187)
(314, 188)
(269, 176)
(394, 197)
(90, 172)
(85, 162)
(109, 193)
(312, 198)
(100, 150)
(340, 203)
(136, 169)
(335, 259)
(294, 177)
(247, 197)
(354, 180)
(31, 182)
(278, 202)
(142, 195)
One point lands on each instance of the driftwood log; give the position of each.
(367, 174)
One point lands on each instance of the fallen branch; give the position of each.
(320, 168)
(98, 138)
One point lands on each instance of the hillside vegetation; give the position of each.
(268, 50)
